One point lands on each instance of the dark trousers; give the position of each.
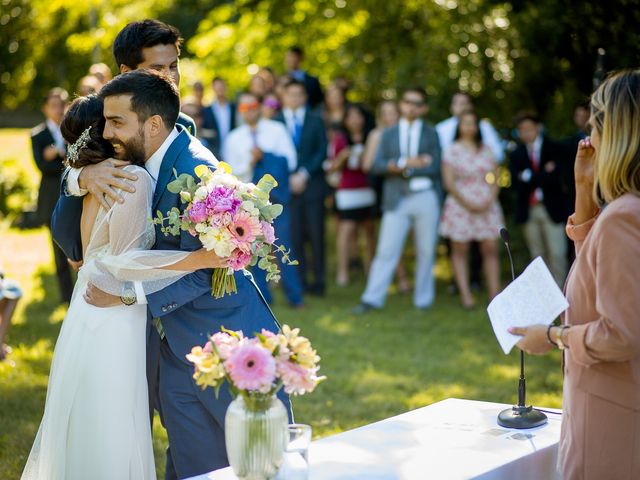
(47, 197)
(63, 273)
(289, 273)
(307, 228)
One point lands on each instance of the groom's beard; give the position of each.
(133, 150)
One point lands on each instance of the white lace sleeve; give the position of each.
(131, 234)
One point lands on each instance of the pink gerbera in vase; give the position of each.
(251, 367)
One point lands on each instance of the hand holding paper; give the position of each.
(532, 299)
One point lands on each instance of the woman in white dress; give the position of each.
(96, 418)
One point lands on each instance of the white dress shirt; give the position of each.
(270, 136)
(153, 165)
(447, 131)
(222, 114)
(409, 147)
(291, 121)
(534, 149)
(58, 139)
(154, 162)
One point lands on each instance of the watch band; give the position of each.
(561, 329)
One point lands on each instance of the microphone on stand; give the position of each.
(519, 416)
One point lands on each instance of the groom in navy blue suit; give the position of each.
(141, 108)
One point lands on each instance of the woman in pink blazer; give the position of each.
(600, 333)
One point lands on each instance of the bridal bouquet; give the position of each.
(232, 218)
(259, 365)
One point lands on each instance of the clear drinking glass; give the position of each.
(297, 452)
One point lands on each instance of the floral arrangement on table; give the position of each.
(256, 369)
(230, 217)
(257, 366)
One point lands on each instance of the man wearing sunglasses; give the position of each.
(409, 159)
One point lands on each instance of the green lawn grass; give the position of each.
(377, 366)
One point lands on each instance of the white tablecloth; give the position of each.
(451, 439)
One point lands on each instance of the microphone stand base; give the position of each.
(521, 417)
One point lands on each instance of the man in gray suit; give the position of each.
(409, 159)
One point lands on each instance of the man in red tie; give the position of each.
(540, 177)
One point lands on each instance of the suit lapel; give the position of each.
(166, 168)
(395, 146)
(424, 146)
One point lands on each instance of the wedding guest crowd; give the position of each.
(380, 182)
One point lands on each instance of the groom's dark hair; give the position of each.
(128, 45)
(152, 93)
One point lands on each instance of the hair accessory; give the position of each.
(73, 152)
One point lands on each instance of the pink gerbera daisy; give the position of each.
(244, 230)
(251, 367)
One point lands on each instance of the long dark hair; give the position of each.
(83, 113)
(369, 122)
(478, 138)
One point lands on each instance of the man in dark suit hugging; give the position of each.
(49, 152)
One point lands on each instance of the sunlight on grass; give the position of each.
(335, 326)
(435, 392)
(503, 371)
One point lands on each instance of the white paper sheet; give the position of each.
(533, 298)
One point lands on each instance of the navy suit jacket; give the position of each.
(41, 138)
(312, 151)
(314, 90)
(556, 185)
(278, 167)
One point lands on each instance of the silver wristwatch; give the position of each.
(128, 296)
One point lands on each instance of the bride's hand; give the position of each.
(96, 297)
(583, 167)
(211, 260)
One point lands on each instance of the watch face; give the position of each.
(129, 297)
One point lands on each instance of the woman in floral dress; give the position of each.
(471, 210)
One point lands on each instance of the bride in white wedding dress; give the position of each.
(96, 418)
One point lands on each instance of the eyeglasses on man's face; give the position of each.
(415, 103)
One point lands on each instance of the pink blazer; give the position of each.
(600, 436)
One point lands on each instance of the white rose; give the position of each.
(201, 194)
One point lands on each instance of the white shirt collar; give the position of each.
(154, 162)
(417, 123)
(536, 146)
(54, 128)
(299, 113)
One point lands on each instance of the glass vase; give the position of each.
(255, 433)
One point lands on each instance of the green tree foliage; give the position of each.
(510, 55)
